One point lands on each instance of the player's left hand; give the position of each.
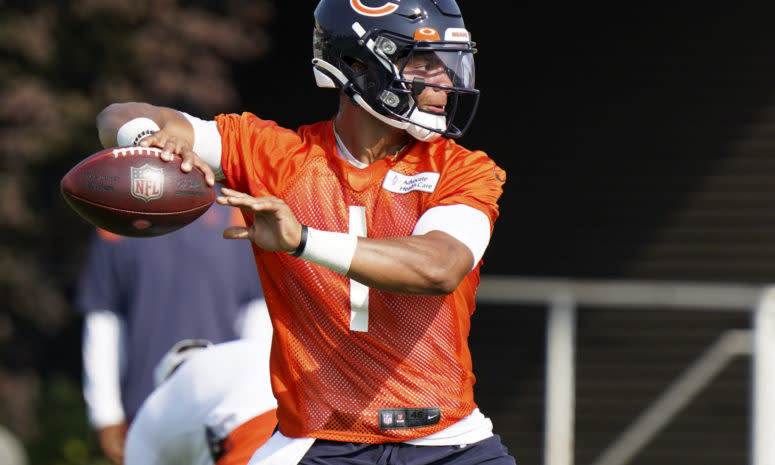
(274, 227)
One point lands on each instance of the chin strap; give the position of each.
(328, 76)
(423, 121)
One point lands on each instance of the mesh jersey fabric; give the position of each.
(331, 382)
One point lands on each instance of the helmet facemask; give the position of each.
(445, 69)
(394, 72)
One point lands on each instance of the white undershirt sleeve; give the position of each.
(466, 224)
(103, 356)
(207, 143)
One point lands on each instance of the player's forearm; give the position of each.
(112, 117)
(101, 346)
(431, 264)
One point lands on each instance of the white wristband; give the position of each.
(134, 130)
(333, 250)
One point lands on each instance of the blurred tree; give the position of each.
(60, 63)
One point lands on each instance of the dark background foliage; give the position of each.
(60, 63)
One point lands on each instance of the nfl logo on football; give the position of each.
(147, 182)
(387, 419)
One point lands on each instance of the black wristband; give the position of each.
(302, 243)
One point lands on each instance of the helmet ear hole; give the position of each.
(358, 66)
(355, 69)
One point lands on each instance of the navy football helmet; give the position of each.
(364, 47)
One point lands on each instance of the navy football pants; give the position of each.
(489, 451)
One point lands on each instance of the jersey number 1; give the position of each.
(359, 293)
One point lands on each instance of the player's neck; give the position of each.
(367, 138)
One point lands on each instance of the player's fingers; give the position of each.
(246, 204)
(206, 170)
(148, 142)
(168, 149)
(191, 160)
(157, 139)
(256, 204)
(235, 232)
(233, 197)
(242, 202)
(161, 140)
(232, 193)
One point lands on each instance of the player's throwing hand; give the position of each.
(173, 145)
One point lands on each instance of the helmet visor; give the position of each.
(440, 67)
(431, 83)
(446, 76)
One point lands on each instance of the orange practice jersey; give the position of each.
(247, 437)
(329, 380)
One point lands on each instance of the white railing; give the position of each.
(563, 296)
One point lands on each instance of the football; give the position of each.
(131, 191)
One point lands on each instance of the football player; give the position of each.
(368, 232)
(207, 408)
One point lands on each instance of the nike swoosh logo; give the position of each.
(431, 417)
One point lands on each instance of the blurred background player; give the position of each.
(213, 405)
(141, 295)
(12, 450)
(369, 231)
